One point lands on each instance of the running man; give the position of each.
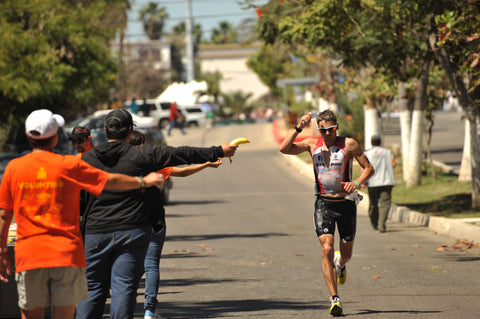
(332, 160)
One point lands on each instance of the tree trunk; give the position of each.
(465, 173)
(404, 126)
(372, 124)
(475, 160)
(468, 106)
(415, 161)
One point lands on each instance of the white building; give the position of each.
(231, 61)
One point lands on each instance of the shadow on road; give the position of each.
(229, 308)
(222, 236)
(406, 312)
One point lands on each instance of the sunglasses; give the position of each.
(78, 141)
(330, 129)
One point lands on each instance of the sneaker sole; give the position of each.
(336, 310)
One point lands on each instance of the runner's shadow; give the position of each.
(371, 311)
(222, 236)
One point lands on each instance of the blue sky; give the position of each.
(208, 13)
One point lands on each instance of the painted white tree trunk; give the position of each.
(465, 173)
(404, 125)
(414, 169)
(475, 161)
(373, 125)
(405, 138)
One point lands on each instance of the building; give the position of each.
(231, 61)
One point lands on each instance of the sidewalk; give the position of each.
(467, 228)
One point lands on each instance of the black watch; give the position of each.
(299, 130)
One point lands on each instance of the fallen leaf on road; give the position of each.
(416, 246)
(376, 277)
(267, 263)
(391, 248)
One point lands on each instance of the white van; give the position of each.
(195, 115)
(160, 111)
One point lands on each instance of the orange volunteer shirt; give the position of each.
(43, 190)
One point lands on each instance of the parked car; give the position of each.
(22, 145)
(5, 158)
(159, 110)
(195, 115)
(96, 121)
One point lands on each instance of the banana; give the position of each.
(240, 140)
(237, 141)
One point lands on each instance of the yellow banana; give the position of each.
(240, 140)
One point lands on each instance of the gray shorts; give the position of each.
(44, 287)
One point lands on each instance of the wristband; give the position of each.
(356, 183)
(299, 130)
(141, 182)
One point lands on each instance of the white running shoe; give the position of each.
(336, 307)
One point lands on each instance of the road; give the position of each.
(447, 138)
(241, 244)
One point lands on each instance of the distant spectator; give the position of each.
(380, 184)
(175, 119)
(116, 104)
(134, 106)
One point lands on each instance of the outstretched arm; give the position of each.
(126, 182)
(189, 170)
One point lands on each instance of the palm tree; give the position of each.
(153, 19)
(225, 34)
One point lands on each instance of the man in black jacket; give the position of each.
(117, 227)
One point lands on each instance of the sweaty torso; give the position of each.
(332, 167)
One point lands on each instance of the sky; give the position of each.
(208, 13)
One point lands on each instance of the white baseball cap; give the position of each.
(41, 124)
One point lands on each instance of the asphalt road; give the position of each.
(241, 244)
(447, 138)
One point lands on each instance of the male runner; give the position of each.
(332, 160)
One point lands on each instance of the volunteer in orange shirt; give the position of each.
(42, 189)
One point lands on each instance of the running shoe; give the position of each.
(336, 307)
(341, 272)
(151, 315)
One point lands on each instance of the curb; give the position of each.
(466, 228)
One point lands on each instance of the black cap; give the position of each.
(119, 118)
(79, 132)
(376, 140)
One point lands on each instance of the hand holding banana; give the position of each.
(236, 142)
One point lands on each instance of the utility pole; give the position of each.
(189, 46)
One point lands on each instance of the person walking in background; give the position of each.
(381, 184)
(134, 106)
(117, 224)
(116, 104)
(332, 157)
(175, 119)
(42, 190)
(157, 240)
(81, 139)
